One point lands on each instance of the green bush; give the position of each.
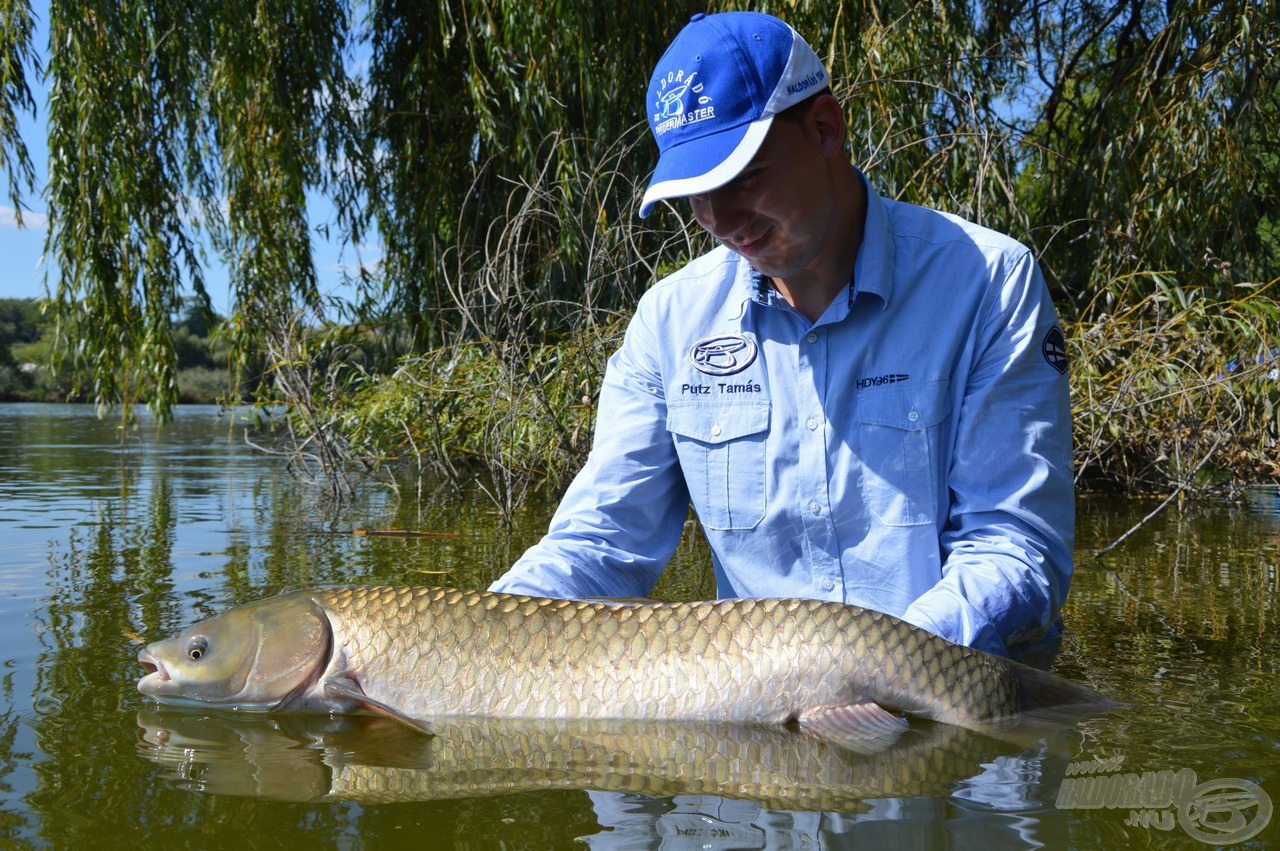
(203, 386)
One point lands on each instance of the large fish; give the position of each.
(415, 653)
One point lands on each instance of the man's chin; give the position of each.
(768, 268)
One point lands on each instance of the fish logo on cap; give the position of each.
(671, 103)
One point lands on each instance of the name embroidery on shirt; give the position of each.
(721, 387)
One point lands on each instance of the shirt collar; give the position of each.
(873, 270)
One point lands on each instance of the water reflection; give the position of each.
(354, 758)
(721, 785)
(1190, 605)
(1264, 500)
(106, 541)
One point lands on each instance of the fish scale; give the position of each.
(422, 652)
(479, 653)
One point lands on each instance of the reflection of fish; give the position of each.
(371, 760)
(417, 653)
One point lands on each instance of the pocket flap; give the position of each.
(717, 423)
(911, 408)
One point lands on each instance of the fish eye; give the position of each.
(197, 649)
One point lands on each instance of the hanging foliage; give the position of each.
(16, 55)
(495, 149)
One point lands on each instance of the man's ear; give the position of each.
(827, 120)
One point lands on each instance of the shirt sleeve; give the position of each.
(1007, 542)
(622, 517)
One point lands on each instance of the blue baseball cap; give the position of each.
(713, 96)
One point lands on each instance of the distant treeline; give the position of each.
(26, 357)
(497, 150)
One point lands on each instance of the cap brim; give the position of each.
(682, 169)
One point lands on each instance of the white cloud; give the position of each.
(368, 259)
(370, 266)
(30, 220)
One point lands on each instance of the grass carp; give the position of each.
(415, 653)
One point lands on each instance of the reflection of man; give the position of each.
(865, 400)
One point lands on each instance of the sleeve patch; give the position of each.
(1054, 348)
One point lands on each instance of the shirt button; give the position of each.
(715, 430)
(827, 585)
(812, 424)
(913, 416)
(815, 508)
(812, 338)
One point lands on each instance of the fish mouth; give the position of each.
(159, 684)
(156, 672)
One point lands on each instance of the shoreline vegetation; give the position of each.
(1130, 144)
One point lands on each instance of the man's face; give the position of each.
(779, 211)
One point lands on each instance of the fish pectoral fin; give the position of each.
(350, 689)
(864, 728)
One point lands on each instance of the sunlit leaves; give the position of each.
(1151, 130)
(497, 148)
(278, 97)
(16, 56)
(116, 190)
(154, 104)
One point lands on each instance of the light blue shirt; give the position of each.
(909, 452)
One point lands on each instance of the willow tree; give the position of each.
(1152, 171)
(1155, 139)
(167, 116)
(496, 148)
(16, 56)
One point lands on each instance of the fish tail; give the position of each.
(1042, 692)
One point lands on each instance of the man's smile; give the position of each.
(753, 246)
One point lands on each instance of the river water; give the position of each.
(109, 539)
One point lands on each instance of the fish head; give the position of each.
(253, 657)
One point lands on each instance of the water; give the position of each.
(104, 542)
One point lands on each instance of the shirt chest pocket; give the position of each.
(722, 453)
(900, 434)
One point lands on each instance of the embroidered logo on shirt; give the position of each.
(877, 380)
(723, 355)
(1055, 349)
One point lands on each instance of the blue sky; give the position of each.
(23, 272)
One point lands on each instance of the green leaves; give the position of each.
(116, 194)
(496, 149)
(16, 54)
(160, 110)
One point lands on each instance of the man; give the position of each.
(865, 400)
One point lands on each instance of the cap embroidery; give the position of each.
(671, 103)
